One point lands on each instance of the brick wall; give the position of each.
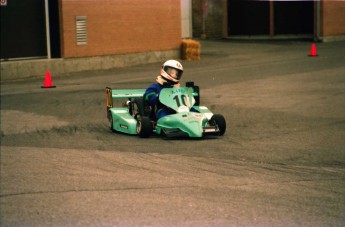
(333, 18)
(121, 26)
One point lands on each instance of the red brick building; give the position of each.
(77, 35)
(86, 28)
(82, 28)
(332, 18)
(121, 26)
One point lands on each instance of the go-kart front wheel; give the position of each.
(219, 120)
(144, 127)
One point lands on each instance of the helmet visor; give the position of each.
(173, 72)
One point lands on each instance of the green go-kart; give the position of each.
(136, 117)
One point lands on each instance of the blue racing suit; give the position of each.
(151, 96)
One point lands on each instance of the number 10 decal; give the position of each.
(182, 98)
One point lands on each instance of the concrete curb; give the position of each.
(23, 69)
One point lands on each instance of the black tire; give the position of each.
(110, 122)
(219, 120)
(137, 109)
(144, 127)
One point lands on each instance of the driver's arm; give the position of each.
(151, 94)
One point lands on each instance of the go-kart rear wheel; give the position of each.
(219, 120)
(110, 122)
(144, 127)
(137, 108)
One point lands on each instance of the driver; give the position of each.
(170, 75)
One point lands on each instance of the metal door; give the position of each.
(248, 17)
(23, 31)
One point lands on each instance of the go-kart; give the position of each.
(137, 117)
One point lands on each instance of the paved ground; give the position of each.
(280, 163)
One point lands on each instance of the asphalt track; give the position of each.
(280, 163)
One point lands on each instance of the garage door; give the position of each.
(23, 29)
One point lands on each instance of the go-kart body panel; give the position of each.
(123, 121)
(177, 98)
(179, 124)
(127, 93)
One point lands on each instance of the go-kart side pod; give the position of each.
(121, 121)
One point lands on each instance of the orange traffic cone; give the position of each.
(48, 83)
(313, 52)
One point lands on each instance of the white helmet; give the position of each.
(172, 71)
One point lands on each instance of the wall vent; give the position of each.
(81, 29)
